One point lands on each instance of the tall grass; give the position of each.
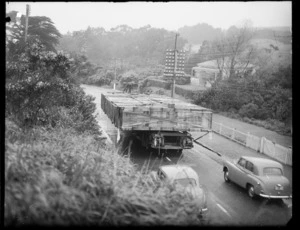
(57, 177)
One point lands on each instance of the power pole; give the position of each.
(175, 66)
(26, 21)
(115, 73)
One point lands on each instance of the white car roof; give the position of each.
(263, 162)
(179, 172)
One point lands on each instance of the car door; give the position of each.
(240, 173)
(246, 175)
(236, 170)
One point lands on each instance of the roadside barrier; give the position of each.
(262, 145)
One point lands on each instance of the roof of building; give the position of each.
(213, 64)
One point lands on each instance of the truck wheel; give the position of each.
(226, 176)
(250, 190)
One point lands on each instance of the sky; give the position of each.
(74, 16)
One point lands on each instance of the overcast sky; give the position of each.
(71, 16)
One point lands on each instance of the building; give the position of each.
(207, 72)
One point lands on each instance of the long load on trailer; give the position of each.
(143, 112)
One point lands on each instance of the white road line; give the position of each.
(223, 209)
(168, 158)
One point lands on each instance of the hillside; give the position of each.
(198, 33)
(281, 53)
(280, 34)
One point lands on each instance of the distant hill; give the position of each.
(281, 34)
(281, 52)
(198, 33)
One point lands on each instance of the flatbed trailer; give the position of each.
(157, 121)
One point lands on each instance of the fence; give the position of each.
(261, 145)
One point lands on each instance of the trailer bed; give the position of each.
(154, 112)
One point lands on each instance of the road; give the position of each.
(228, 204)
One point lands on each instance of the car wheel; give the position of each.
(251, 192)
(226, 176)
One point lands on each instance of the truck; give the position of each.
(157, 121)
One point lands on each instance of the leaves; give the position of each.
(143, 46)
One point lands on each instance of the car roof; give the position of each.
(263, 162)
(179, 172)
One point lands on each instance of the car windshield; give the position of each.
(272, 171)
(185, 182)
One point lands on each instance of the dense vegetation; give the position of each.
(57, 169)
(266, 98)
(140, 47)
(60, 177)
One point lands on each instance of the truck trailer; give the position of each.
(158, 121)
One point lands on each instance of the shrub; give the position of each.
(168, 85)
(160, 92)
(46, 91)
(250, 110)
(101, 78)
(142, 85)
(57, 177)
(129, 77)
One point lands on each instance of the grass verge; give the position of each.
(57, 177)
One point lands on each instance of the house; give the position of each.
(207, 72)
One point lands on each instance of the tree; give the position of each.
(40, 28)
(234, 51)
(143, 46)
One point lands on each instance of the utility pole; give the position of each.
(175, 66)
(115, 73)
(26, 21)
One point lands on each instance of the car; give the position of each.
(260, 176)
(186, 177)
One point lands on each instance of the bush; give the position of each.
(160, 92)
(129, 77)
(250, 110)
(101, 78)
(142, 85)
(57, 177)
(46, 92)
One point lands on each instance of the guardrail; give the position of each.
(262, 145)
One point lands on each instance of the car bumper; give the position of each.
(275, 197)
(204, 211)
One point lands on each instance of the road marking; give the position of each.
(168, 158)
(224, 210)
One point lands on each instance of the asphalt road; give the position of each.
(228, 204)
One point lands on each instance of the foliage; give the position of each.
(82, 67)
(130, 77)
(40, 88)
(57, 177)
(249, 110)
(40, 28)
(199, 33)
(260, 100)
(101, 78)
(142, 47)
